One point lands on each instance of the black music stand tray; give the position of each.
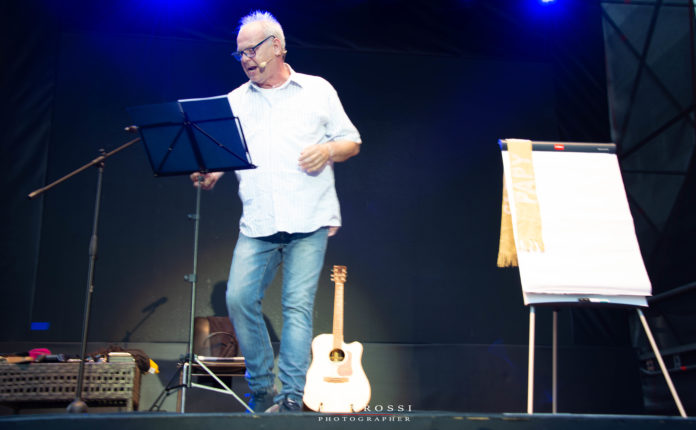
(183, 137)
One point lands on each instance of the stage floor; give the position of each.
(300, 421)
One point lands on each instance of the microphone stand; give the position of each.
(78, 405)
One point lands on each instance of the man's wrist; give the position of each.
(331, 151)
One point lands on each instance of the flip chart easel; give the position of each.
(591, 255)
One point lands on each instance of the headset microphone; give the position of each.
(262, 65)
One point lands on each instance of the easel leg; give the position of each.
(554, 364)
(665, 373)
(530, 374)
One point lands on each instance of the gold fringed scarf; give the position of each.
(526, 205)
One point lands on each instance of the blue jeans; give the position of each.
(254, 265)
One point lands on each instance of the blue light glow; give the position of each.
(40, 326)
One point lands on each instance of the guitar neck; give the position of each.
(338, 316)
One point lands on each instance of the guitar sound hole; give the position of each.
(337, 355)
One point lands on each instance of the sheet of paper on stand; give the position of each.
(590, 243)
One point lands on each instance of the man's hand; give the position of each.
(314, 158)
(207, 180)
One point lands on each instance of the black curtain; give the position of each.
(430, 85)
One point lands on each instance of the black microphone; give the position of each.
(154, 305)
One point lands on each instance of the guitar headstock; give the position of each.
(339, 274)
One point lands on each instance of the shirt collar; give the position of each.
(295, 78)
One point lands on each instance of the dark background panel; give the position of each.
(420, 204)
(426, 184)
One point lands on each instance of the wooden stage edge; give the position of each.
(291, 421)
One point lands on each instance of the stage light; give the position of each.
(544, 2)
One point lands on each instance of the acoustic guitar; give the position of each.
(336, 381)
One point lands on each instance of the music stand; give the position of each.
(184, 137)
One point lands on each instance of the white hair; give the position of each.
(270, 25)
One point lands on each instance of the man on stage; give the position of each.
(295, 128)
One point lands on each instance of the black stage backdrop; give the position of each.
(431, 86)
(420, 204)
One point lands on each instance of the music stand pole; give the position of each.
(78, 405)
(192, 278)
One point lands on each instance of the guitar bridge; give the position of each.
(335, 379)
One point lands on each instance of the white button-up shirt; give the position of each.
(278, 124)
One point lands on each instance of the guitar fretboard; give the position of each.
(338, 316)
(338, 275)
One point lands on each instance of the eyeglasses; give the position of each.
(249, 52)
